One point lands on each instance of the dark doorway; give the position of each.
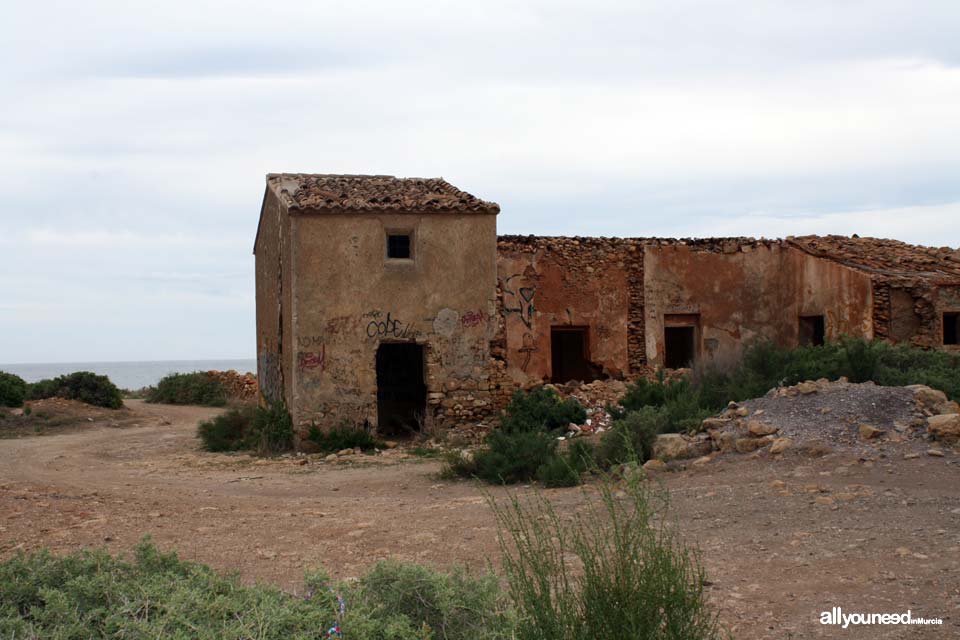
(680, 346)
(570, 354)
(812, 331)
(951, 327)
(401, 391)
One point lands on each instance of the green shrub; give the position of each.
(558, 472)
(682, 401)
(609, 571)
(228, 431)
(83, 386)
(90, 594)
(631, 437)
(344, 437)
(514, 457)
(541, 409)
(272, 429)
(453, 606)
(13, 390)
(196, 388)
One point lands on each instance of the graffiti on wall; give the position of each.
(268, 375)
(473, 318)
(312, 361)
(389, 327)
(519, 300)
(528, 349)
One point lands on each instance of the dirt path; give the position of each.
(782, 540)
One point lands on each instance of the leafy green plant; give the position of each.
(631, 437)
(228, 431)
(272, 429)
(197, 388)
(541, 409)
(558, 472)
(83, 386)
(611, 570)
(13, 390)
(344, 437)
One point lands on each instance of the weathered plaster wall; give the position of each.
(349, 298)
(548, 282)
(910, 310)
(268, 280)
(745, 290)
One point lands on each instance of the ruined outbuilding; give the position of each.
(392, 303)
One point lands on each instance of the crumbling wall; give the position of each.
(906, 311)
(268, 281)
(546, 282)
(349, 299)
(740, 290)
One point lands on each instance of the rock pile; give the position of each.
(818, 416)
(240, 386)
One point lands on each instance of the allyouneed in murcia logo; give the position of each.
(836, 616)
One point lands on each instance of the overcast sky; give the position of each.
(134, 136)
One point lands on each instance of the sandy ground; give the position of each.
(782, 540)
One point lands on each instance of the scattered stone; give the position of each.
(714, 423)
(654, 465)
(331, 457)
(345, 452)
(815, 448)
(699, 462)
(911, 456)
(748, 445)
(757, 428)
(869, 432)
(806, 388)
(823, 500)
(780, 445)
(670, 446)
(936, 453)
(945, 427)
(742, 412)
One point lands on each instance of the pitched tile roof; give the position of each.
(354, 193)
(884, 257)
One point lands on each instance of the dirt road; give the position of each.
(782, 540)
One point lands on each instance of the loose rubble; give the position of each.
(239, 386)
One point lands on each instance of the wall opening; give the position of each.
(679, 346)
(680, 336)
(951, 328)
(398, 246)
(813, 331)
(401, 390)
(570, 354)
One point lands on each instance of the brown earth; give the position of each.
(782, 539)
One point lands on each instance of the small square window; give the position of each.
(398, 245)
(951, 327)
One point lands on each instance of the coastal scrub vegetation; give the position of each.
(83, 386)
(344, 437)
(13, 390)
(266, 430)
(613, 569)
(197, 388)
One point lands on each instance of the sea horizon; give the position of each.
(128, 374)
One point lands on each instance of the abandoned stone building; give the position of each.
(392, 303)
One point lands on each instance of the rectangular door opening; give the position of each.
(570, 355)
(401, 390)
(951, 328)
(679, 343)
(813, 331)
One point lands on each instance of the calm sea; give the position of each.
(128, 375)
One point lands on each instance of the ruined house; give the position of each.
(392, 303)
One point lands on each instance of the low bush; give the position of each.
(558, 472)
(196, 388)
(13, 390)
(525, 442)
(610, 570)
(266, 430)
(90, 594)
(229, 431)
(541, 409)
(631, 437)
(683, 403)
(344, 437)
(83, 386)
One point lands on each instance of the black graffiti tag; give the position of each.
(390, 328)
(524, 301)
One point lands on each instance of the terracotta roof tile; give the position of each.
(354, 193)
(884, 257)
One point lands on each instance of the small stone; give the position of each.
(780, 445)
(910, 456)
(869, 432)
(748, 445)
(670, 446)
(945, 428)
(331, 457)
(806, 388)
(757, 428)
(742, 412)
(823, 500)
(345, 452)
(699, 462)
(654, 465)
(778, 484)
(936, 453)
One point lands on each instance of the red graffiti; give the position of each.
(307, 360)
(473, 318)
